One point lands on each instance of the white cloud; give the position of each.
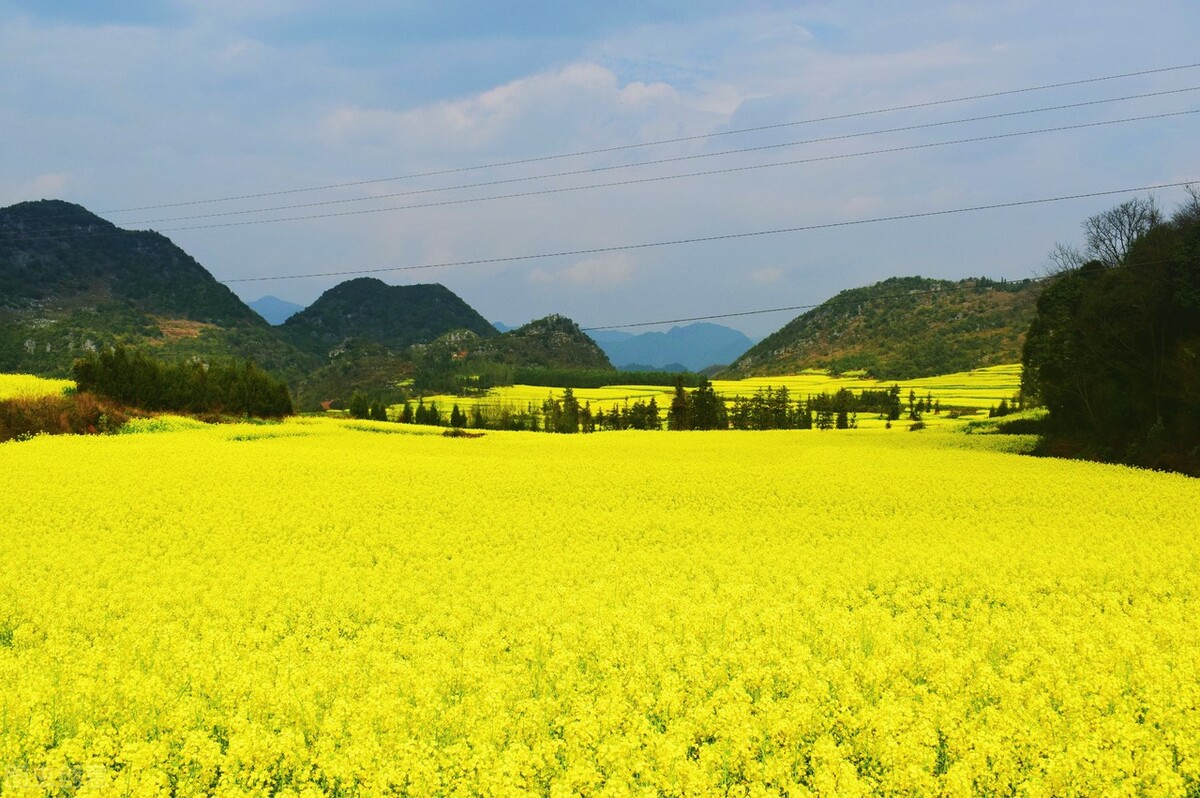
(767, 276)
(580, 105)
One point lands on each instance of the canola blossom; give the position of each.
(357, 608)
(27, 386)
(972, 390)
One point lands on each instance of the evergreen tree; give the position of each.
(894, 403)
(678, 415)
(359, 407)
(569, 421)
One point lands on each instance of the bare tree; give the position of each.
(1064, 258)
(1111, 233)
(1189, 211)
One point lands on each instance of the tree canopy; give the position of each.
(1114, 351)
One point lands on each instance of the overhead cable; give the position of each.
(658, 142)
(677, 159)
(713, 238)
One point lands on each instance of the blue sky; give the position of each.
(118, 106)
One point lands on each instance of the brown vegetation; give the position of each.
(175, 329)
(79, 413)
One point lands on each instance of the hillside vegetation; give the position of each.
(463, 362)
(369, 310)
(901, 328)
(72, 283)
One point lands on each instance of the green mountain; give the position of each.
(368, 310)
(71, 282)
(461, 360)
(552, 342)
(901, 328)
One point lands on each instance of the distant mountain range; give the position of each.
(900, 328)
(275, 310)
(694, 347)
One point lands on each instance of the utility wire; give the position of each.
(42, 234)
(658, 142)
(707, 239)
(835, 302)
(662, 178)
(659, 161)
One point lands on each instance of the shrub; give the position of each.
(79, 413)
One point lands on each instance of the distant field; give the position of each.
(321, 607)
(972, 390)
(14, 386)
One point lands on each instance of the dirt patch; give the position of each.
(174, 329)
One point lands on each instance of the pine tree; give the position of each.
(677, 415)
(359, 407)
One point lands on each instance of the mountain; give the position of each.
(552, 342)
(394, 316)
(72, 282)
(274, 309)
(694, 346)
(901, 328)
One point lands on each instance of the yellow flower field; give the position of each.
(357, 608)
(978, 390)
(27, 386)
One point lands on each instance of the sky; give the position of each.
(170, 114)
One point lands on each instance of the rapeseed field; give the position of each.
(355, 608)
(975, 390)
(27, 386)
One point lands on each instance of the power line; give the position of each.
(41, 235)
(658, 142)
(708, 239)
(660, 161)
(662, 178)
(793, 308)
(835, 302)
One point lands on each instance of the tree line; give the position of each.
(698, 409)
(135, 379)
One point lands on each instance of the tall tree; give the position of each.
(678, 415)
(1114, 353)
